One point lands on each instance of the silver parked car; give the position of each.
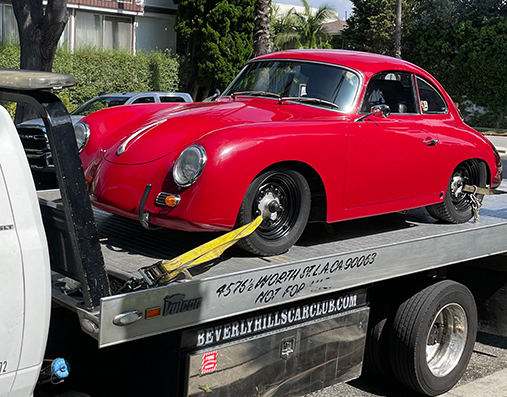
(33, 133)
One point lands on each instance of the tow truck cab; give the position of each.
(25, 295)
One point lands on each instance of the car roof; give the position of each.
(365, 62)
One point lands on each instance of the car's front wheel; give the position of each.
(457, 205)
(282, 197)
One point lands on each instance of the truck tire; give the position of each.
(376, 355)
(432, 337)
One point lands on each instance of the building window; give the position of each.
(9, 28)
(117, 33)
(88, 30)
(100, 31)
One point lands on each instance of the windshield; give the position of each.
(298, 80)
(98, 103)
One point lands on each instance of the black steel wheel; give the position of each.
(282, 197)
(457, 205)
(432, 337)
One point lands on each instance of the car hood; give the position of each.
(171, 129)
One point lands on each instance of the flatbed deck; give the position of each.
(127, 246)
(327, 259)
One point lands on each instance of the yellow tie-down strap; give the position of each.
(481, 190)
(162, 272)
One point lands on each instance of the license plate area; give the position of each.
(290, 361)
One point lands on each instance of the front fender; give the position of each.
(237, 155)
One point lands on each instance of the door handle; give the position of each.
(431, 142)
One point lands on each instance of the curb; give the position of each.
(494, 385)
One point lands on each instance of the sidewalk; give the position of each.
(494, 385)
(500, 143)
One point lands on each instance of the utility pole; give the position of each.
(397, 31)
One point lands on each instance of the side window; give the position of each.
(171, 99)
(146, 99)
(432, 101)
(395, 89)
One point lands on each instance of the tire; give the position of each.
(278, 232)
(376, 355)
(456, 206)
(427, 356)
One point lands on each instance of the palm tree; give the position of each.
(302, 29)
(283, 29)
(261, 33)
(311, 25)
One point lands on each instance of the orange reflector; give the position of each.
(89, 179)
(155, 312)
(172, 201)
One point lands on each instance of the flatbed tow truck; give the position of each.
(395, 291)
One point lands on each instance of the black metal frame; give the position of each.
(79, 217)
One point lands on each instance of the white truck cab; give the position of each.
(25, 294)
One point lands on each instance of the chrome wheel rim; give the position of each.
(283, 190)
(466, 174)
(446, 339)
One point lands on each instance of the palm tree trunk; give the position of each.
(261, 27)
(397, 31)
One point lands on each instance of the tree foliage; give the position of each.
(302, 29)
(371, 26)
(215, 41)
(463, 43)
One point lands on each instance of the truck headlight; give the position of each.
(189, 166)
(82, 131)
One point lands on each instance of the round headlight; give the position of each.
(189, 165)
(82, 131)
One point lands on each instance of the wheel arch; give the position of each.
(318, 210)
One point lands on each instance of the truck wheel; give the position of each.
(282, 196)
(376, 354)
(457, 206)
(433, 336)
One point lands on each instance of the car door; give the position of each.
(390, 158)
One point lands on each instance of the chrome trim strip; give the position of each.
(123, 147)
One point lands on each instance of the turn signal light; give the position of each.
(167, 200)
(172, 201)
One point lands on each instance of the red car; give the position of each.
(303, 135)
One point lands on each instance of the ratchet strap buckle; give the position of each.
(152, 274)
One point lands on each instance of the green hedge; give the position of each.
(106, 71)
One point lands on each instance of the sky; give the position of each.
(344, 7)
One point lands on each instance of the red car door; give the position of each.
(395, 157)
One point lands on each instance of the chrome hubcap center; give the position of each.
(269, 202)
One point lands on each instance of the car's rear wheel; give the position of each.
(282, 197)
(457, 205)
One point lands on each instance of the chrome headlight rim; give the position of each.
(178, 165)
(81, 142)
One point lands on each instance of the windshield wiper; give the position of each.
(310, 100)
(256, 93)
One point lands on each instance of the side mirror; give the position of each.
(213, 97)
(381, 111)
